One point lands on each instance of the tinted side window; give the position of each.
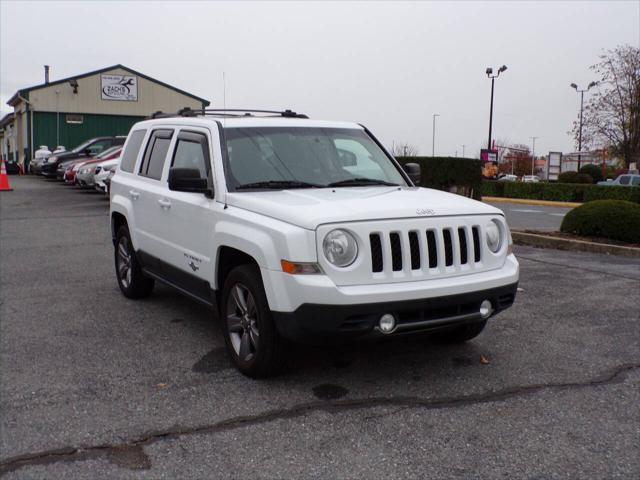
(130, 153)
(635, 181)
(624, 180)
(192, 152)
(155, 154)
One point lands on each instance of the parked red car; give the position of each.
(110, 153)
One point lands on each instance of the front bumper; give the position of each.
(313, 323)
(312, 305)
(49, 170)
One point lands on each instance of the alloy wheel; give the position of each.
(123, 262)
(242, 322)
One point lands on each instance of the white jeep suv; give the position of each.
(299, 229)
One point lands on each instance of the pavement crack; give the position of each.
(130, 454)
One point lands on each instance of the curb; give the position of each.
(544, 241)
(527, 201)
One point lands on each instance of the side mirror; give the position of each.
(187, 180)
(413, 170)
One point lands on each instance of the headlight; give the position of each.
(52, 159)
(340, 248)
(493, 236)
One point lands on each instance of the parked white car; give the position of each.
(103, 169)
(530, 179)
(508, 178)
(84, 175)
(303, 230)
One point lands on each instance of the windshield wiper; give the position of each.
(278, 184)
(355, 182)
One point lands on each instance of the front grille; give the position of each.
(376, 252)
(396, 252)
(422, 250)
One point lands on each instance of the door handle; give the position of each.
(165, 204)
(134, 194)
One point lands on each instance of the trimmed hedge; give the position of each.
(560, 192)
(612, 219)
(451, 174)
(574, 177)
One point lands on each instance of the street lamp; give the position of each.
(433, 138)
(581, 92)
(533, 154)
(493, 77)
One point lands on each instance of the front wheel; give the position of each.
(253, 342)
(132, 282)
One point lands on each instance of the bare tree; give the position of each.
(404, 150)
(612, 114)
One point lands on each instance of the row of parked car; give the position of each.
(89, 165)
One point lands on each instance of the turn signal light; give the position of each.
(299, 268)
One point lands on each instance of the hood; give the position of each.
(309, 208)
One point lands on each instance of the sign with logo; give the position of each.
(488, 155)
(119, 87)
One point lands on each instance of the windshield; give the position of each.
(108, 152)
(83, 146)
(305, 157)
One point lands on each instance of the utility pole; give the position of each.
(433, 138)
(533, 154)
(463, 150)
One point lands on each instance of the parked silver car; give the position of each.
(625, 180)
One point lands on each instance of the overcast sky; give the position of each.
(388, 65)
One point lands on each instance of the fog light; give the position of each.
(387, 323)
(486, 309)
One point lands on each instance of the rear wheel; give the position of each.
(253, 342)
(460, 334)
(132, 282)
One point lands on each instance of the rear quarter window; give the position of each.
(130, 153)
(155, 154)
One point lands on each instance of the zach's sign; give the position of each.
(119, 87)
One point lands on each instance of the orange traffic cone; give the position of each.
(4, 178)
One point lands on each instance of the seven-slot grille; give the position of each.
(420, 250)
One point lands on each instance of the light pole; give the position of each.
(581, 92)
(493, 77)
(533, 154)
(433, 138)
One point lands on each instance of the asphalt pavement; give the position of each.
(532, 217)
(94, 386)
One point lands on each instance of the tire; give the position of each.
(460, 334)
(252, 340)
(132, 282)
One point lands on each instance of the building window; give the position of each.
(74, 118)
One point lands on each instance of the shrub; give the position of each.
(560, 192)
(460, 175)
(492, 188)
(574, 177)
(613, 192)
(594, 171)
(612, 219)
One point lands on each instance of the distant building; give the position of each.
(69, 111)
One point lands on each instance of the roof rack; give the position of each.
(228, 112)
